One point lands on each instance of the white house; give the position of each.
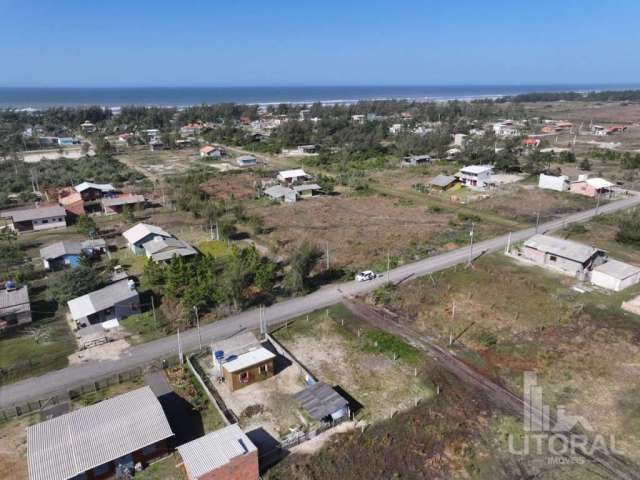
(476, 176)
(459, 139)
(395, 128)
(506, 129)
(292, 176)
(551, 182)
(142, 233)
(113, 302)
(282, 194)
(37, 218)
(615, 275)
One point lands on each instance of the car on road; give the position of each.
(365, 276)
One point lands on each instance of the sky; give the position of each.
(329, 42)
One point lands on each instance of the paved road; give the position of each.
(60, 380)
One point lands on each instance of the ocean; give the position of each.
(38, 98)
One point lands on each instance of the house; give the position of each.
(558, 183)
(565, 256)
(142, 233)
(506, 129)
(358, 118)
(459, 139)
(88, 127)
(592, 187)
(246, 161)
(15, 308)
(531, 142)
(615, 275)
(59, 254)
(395, 129)
(65, 141)
(297, 175)
(191, 129)
(453, 153)
(38, 218)
(113, 205)
(477, 132)
(224, 454)
(212, 152)
(71, 201)
(322, 403)
(242, 360)
(92, 442)
(307, 149)
(444, 182)
(281, 194)
(113, 302)
(598, 130)
(306, 189)
(616, 129)
(475, 176)
(162, 249)
(414, 160)
(91, 192)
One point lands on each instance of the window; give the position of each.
(553, 258)
(263, 369)
(45, 220)
(244, 377)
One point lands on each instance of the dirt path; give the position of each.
(613, 466)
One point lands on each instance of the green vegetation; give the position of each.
(145, 327)
(72, 283)
(378, 341)
(214, 248)
(629, 229)
(166, 468)
(301, 262)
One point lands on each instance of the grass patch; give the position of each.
(377, 341)
(106, 393)
(163, 469)
(215, 248)
(144, 327)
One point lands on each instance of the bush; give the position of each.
(629, 229)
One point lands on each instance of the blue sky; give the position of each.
(328, 42)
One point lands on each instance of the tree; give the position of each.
(301, 262)
(86, 225)
(585, 165)
(128, 213)
(74, 283)
(629, 229)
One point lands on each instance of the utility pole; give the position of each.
(327, 255)
(597, 203)
(388, 267)
(537, 220)
(153, 308)
(180, 349)
(508, 244)
(471, 244)
(195, 309)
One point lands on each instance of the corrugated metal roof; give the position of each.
(102, 299)
(320, 400)
(443, 180)
(123, 200)
(248, 359)
(278, 191)
(562, 248)
(599, 183)
(141, 230)
(617, 269)
(475, 169)
(14, 301)
(174, 252)
(306, 186)
(71, 444)
(295, 173)
(103, 187)
(58, 249)
(215, 450)
(35, 213)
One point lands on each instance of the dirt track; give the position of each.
(612, 465)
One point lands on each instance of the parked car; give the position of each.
(365, 276)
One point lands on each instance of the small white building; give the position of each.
(459, 139)
(506, 129)
(558, 183)
(476, 176)
(395, 128)
(36, 218)
(281, 194)
(615, 275)
(292, 176)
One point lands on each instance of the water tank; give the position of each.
(218, 354)
(131, 283)
(10, 285)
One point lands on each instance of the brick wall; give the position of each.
(244, 467)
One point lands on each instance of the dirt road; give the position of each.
(614, 466)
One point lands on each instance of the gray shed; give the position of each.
(321, 401)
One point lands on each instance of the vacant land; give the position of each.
(515, 318)
(381, 373)
(360, 231)
(232, 186)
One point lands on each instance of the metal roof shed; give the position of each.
(321, 401)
